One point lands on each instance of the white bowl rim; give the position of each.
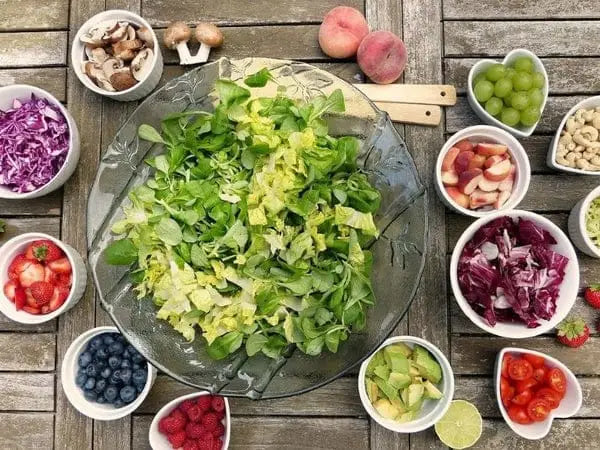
(90, 409)
(39, 92)
(477, 320)
(555, 363)
(435, 414)
(166, 409)
(585, 205)
(554, 144)
(525, 131)
(97, 18)
(515, 147)
(41, 318)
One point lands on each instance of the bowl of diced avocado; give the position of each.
(406, 385)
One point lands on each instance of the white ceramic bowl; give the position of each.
(23, 92)
(577, 228)
(68, 372)
(139, 90)
(481, 66)
(588, 103)
(489, 134)
(568, 288)
(158, 441)
(17, 245)
(568, 407)
(433, 410)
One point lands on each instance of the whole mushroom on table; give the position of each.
(578, 146)
(178, 34)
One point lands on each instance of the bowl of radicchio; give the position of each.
(514, 274)
(39, 142)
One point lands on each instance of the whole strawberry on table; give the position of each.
(573, 332)
(39, 279)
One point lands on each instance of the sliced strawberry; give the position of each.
(29, 300)
(9, 289)
(32, 310)
(44, 250)
(32, 273)
(49, 276)
(59, 297)
(42, 292)
(45, 309)
(18, 265)
(20, 298)
(61, 265)
(64, 279)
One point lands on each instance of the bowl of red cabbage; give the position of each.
(39, 142)
(514, 274)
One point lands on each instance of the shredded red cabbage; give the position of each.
(508, 273)
(34, 141)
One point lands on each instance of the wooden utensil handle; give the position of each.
(411, 113)
(427, 94)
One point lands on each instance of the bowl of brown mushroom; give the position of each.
(576, 145)
(116, 54)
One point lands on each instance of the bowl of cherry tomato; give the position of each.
(532, 389)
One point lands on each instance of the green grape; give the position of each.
(524, 63)
(522, 81)
(479, 78)
(483, 91)
(494, 106)
(510, 116)
(509, 73)
(495, 72)
(538, 80)
(519, 101)
(507, 99)
(530, 116)
(536, 98)
(503, 87)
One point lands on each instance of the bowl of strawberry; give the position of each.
(193, 422)
(532, 389)
(41, 277)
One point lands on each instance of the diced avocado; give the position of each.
(385, 388)
(406, 417)
(386, 409)
(415, 394)
(399, 380)
(431, 391)
(413, 370)
(396, 359)
(428, 367)
(417, 406)
(404, 396)
(376, 360)
(402, 348)
(382, 371)
(372, 390)
(399, 404)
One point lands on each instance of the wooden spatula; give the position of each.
(425, 94)
(412, 113)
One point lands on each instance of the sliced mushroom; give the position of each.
(141, 64)
(122, 80)
(130, 33)
(111, 65)
(88, 67)
(146, 36)
(98, 55)
(96, 33)
(125, 50)
(119, 34)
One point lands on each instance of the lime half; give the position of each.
(460, 427)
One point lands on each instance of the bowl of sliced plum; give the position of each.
(481, 170)
(532, 389)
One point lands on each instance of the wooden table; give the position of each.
(443, 42)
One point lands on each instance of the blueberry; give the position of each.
(131, 349)
(91, 370)
(100, 399)
(95, 343)
(137, 358)
(114, 362)
(126, 376)
(139, 377)
(118, 403)
(100, 364)
(115, 378)
(80, 379)
(126, 355)
(90, 383)
(127, 394)
(108, 339)
(136, 366)
(121, 339)
(90, 396)
(139, 387)
(125, 364)
(110, 393)
(116, 348)
(100, 386)
(84, 359)
(106, 372)
(102, 353)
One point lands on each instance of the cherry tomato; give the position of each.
(507, 392)
(539, 374)
(523, 398)
(518, 414)
(505, 362)
(556, 380)
(535, 360)
(550, 395)
(520, 369)
(538, 409)
(525, 385)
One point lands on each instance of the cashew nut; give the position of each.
(587, 156)
(579, 116)
(588, 115)
(596, 160)
(573, 124)
(571, 146)
(564, 162)
(562, 151)
(572, 157)
(566, 138)
(579, 149)
(596, 120)
(585, 165)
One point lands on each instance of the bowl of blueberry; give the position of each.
(103, 376)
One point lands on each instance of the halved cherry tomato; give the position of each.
(535, 360)
(523, 398)
(550, 395)
(518, 414)
(505, 362)
(525, 385)
(539, 374)
(520, 369)
(556, 379)
(538, 409)
(507, 392)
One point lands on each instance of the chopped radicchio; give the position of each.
(34, 142)
(508, 273)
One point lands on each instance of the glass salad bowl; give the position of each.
(398, 253)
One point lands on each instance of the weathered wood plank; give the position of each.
(565, 75)
(47, 48)
(33, 14)
(48, 205)
(22, 431)
(519, 9)
(8, 325)
(475, 355)
(555, 38)
(339, 398)
(27, 391)
(14, 227)
(461, 115)
(36, 352)
(52, 79)
(280, 433)
(231, 12)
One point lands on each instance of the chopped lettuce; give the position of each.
(592, 221)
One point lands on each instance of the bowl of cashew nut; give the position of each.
(576, 145)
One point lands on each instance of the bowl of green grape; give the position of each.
(510, 94)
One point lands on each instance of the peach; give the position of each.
(502, 198)
(506, 185)
(487, 185)
(460, 198)
(448, 161)
(479, 198)
(469, 180)
(476, 162)
(462, 161)
(488, 149)
(464, 145)
(342, 31)
(450, 178)
(493, 160)
(382, 57)
(498, 172)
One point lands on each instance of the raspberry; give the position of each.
(163, 424)
(204, 445)
(217, 444)
(207, 440)
(218, 404)
(186, 405)
(194, 414)
(219, 430)
(176, 439)
(190, 445)
(220, 414)
(173, 423)
(194, 430)
(204, 402)
(210, 421)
